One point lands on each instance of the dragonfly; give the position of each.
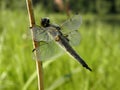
(64, 36)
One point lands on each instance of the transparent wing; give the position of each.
(48, 50)
(71, 24)
(74, 38)
(70, 29)
(40, 34)
(47, 47)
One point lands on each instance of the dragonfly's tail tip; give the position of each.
(89, 69)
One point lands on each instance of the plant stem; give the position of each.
(35, 44)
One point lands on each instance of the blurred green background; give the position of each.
(100, 46)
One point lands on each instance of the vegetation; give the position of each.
(100, 48)
(84, 6)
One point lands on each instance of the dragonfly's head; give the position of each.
(45, 22)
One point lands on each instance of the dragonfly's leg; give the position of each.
(30, 27)
(33, 49)
(58, 28)
(43, 43)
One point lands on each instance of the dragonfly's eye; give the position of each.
(45, 22)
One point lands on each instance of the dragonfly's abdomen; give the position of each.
(64, 43)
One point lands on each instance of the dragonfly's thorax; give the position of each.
(52, 31)
(55, 26)
(45, 22)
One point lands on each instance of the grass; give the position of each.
(100, 47)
